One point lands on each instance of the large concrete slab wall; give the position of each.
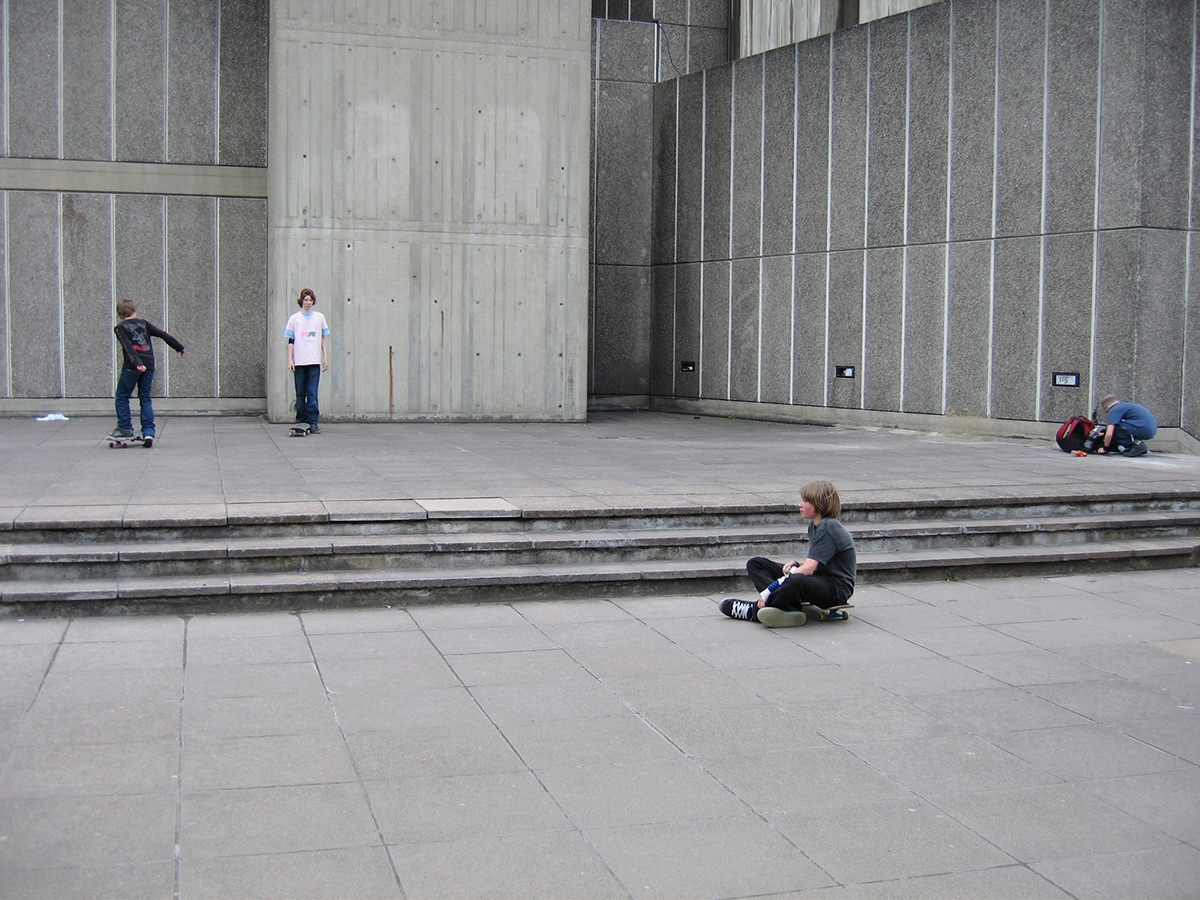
(985, 194)
(133, 164)
(429, 180)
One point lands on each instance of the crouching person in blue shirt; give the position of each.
(1128, 426)
(796, 592)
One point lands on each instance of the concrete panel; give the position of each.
(715, 324)
(972, 98)
(242, 298)
(665, 124)
(5, 386)
(775, 355)
(708, 13)
(707, 47)
(139, 253)
(1190, 389)
(192, 81)
(884, 362)
(745, 323)
(687, 330)
(1168, 91)
(624, 157)
(809, 329)
(1019, 109)
(849, 139)
(32, 48)
(673, 52)
(886, 154)
(1015, 329)
(192, 301)
(624, 51)
(620, 352)
(718, 108)
(1160, 325)
(925, 329)
(88, 314)
(929, 123)
(846, 327)
(663, 362)
(438, 179)
(746, 147)
(968, 328)
(242, 71)
(690, 170)
(33, 280)
(1074, 60)
(87, 80)
(812, 145)
(140, 88)
(1067, 326)
(779, 150)
(1118, 256)
(1122, 95)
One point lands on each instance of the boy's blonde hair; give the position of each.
(126, 308)
(824, 498)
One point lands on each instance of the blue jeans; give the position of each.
(143, 381)
(308, 379)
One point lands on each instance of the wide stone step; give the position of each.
(294, 590)
(216, 556)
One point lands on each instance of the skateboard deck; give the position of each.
(136, 441)
(300, 430)
(837, 613)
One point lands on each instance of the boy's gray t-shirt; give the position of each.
(830, 544)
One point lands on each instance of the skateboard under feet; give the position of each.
(136, 441)
(300, 429)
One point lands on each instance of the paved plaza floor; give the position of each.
(997, 738)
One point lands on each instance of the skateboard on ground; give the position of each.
(835, 613)
(300, 429)
(136, 441)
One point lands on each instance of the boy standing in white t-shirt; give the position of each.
(308, 355)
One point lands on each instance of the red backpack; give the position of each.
(1073, 433)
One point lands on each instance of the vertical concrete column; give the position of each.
(428, 178)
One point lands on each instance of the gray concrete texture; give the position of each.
(1008, 738)
(428, 179)
(126, 83)
(1030, 131)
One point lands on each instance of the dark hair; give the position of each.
(126, 307)
(306, 292)
(824, 498)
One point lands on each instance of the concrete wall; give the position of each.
(133, 151)
(984, 194)
(428, 179)
(630, 53)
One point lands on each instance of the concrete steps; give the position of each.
(285, 563)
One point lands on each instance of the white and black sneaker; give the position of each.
(740, 609)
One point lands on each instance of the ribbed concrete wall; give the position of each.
(429, 180)
(134, 141)
(985, 194)
(629, 57)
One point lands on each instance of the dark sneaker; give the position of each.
(741, 609)
(314, 428)
(148, 441)
(781, 618)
